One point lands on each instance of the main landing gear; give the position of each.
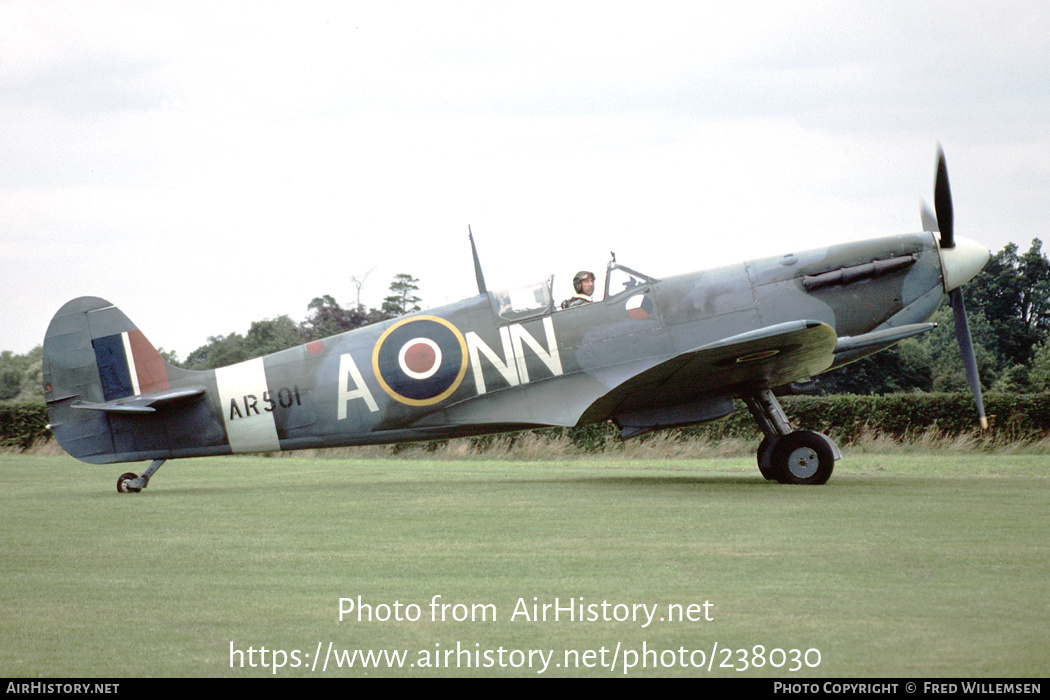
(785, 455)
(130, 483)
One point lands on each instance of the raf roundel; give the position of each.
(420, 361)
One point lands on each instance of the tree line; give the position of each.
(1008, 304)
(21, 376)
(326, 317)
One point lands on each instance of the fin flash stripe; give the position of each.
(128, 365)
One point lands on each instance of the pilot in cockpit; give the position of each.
(583, 283)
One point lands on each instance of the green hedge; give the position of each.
(22, 424)
(1013, 417)
(846, 417)
(902, 415)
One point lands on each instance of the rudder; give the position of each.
(93, 354)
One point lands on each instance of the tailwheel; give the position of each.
(124, 483)
(803, 457)
(130, 483)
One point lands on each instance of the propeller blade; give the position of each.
(929, 221)
(962, 334)
(942, 203)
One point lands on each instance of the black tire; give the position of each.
(803, 457)
(122, 483)
(765, 458)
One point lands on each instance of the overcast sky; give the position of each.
(207, 164)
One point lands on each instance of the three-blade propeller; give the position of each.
(944, 224)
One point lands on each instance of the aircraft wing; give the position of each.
(767, 357)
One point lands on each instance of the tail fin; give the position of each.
(94, 356)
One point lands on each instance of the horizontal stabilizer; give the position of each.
(143, 403)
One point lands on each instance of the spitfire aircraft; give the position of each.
(650, 353)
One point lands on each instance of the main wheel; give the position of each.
(124, 483)
(803, 457)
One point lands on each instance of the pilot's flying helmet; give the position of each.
(577, 281)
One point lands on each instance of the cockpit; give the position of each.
(538, 299)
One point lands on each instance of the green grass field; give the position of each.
(902, 565)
